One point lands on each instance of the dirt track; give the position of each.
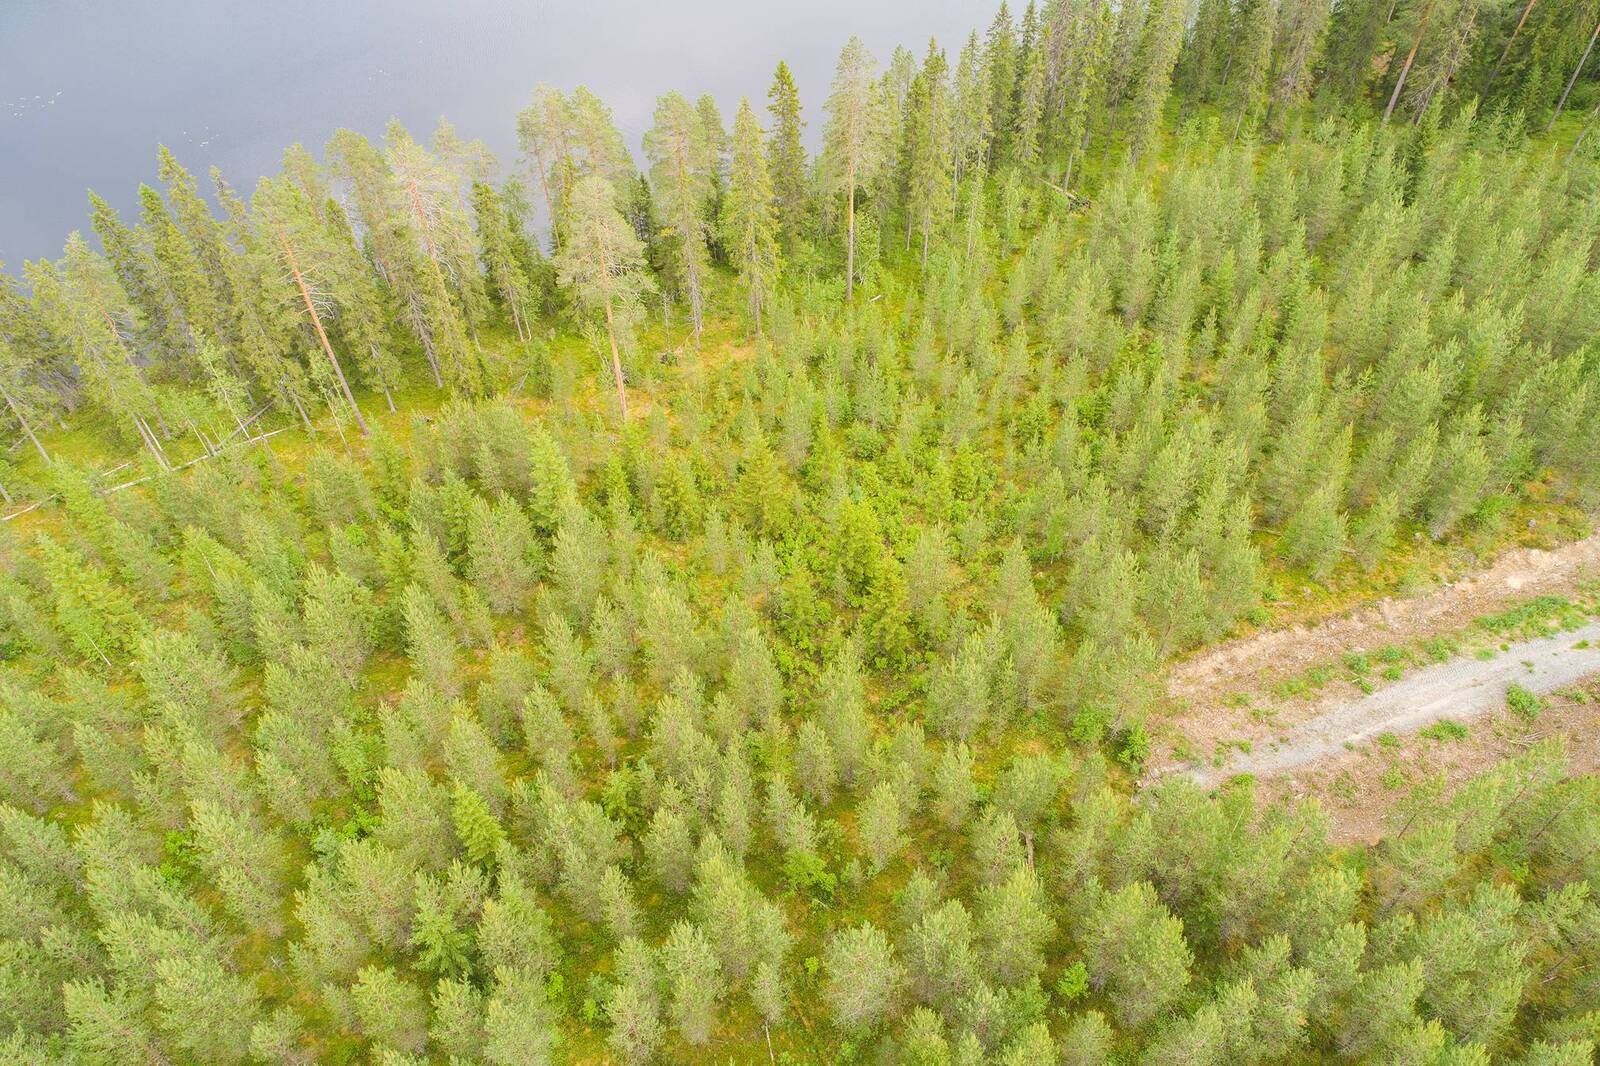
(1520, 574)
(1462, 689)
(1229, 696)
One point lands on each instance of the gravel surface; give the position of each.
(1461, 689)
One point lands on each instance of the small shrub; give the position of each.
(1133, 748)
(1439, 649)
(1073, 983)
(1523, 703)
(1446, 731)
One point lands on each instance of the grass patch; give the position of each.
(1523, 703)
(1542, 616)
(1446, 731)
(1440, 649)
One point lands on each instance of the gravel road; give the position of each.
(1460, 689)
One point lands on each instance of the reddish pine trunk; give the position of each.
(850, 241)
(316, 321)
(1495, 71)
(1411, 57)
(616, 362)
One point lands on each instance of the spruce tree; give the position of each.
(750, 222)
(681, 171)
(786, 155)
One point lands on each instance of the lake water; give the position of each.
(88, 88)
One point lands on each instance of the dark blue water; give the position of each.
(89, 87)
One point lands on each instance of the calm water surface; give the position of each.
(88, 88)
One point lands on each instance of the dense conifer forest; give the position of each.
(706, 601)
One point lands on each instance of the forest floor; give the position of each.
(1341, 708)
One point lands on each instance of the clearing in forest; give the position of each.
(1306, 707)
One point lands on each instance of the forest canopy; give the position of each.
(707, 600)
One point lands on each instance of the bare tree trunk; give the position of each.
(305, 419)
(850, 241)
(316, 321)
(150, 442)
(1494, 72)
(1583, 134)
(1574, 79)
(160, 449)
(22, 420)
(420, 324)
(204, 443)
(549, 205)
(1400, 82)
(616, 362)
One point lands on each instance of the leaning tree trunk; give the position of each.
(22, 420)
(1411, 57)
(1495, 70)
(1584, 133)
(1574, 79)
(420, 326)
(316, 321)
(616, 362)
(150, 442)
